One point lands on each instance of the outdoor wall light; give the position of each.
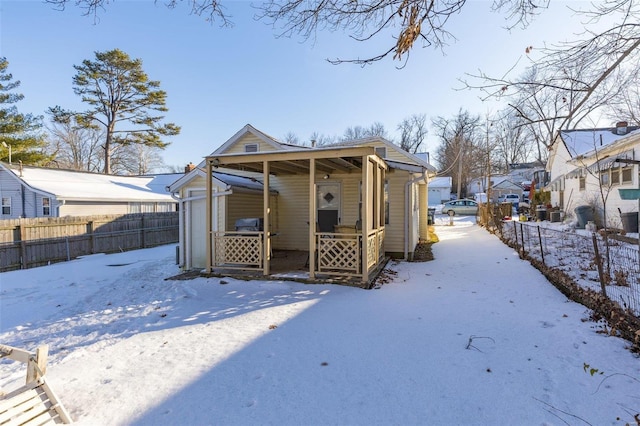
(326, 176)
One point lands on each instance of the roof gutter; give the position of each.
(407, 208)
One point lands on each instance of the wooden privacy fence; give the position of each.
(27, 243)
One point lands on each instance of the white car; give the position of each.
(455, 207)
(480, 197)
(509, 198)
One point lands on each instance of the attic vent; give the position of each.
(382, 152)
(251, 147)
(621, 128)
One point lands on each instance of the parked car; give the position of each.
(509, 198)
(480, 197)
(463, 206)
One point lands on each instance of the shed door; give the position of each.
(197, 249)
(435, 196)
(328, 203)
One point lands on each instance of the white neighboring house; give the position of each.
(28, 191)
(439, 190)
(482, 184)
(499, 185)
(504, 187)
(582, 161)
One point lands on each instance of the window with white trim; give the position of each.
(46, 206)
(251, 147)
(583, 183)
(627, 174)
(381, 151)
(6, 205)
(615, 176)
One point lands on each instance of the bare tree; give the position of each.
(570, 81)
(212, 10)
(74, 147)
(626, 107)
(320, 139)
(413, 131)
(359, 132)
(292, 139)
(460, 152)
(137, 159)
(377, 129)
(512, 142)
(399, 24)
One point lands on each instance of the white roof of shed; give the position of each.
(229, 179)
(79, 186)
(440, 182)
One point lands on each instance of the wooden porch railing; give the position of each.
(337, 253)
(238, 250)
(340, 254)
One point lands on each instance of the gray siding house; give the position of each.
(27, 191)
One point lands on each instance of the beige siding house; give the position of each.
(352, 225)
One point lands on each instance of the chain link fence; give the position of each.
(596, 262)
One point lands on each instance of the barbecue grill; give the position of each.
(250, 224)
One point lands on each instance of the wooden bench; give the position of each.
(35, 403)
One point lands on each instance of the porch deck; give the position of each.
(292, 265)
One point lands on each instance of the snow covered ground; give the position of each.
(475, 337)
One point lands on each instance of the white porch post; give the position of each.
(215, 213)
(266, 250)
(312, 218)
(208, 217)
(182, 244)
(365, 217)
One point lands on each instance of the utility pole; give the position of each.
(488, 171)
(461, 148)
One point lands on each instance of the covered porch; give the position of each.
(346, 243)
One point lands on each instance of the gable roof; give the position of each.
(248, 128)
(583, 141)
(506, 184)
(414, 158)
(440, 182)
(84, 186)
(226, 180)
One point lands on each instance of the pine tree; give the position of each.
(119, 94)
(21, 138)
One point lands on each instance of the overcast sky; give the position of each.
(219, 79)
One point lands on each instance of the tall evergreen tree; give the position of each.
(20, 134)
(119, 93)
